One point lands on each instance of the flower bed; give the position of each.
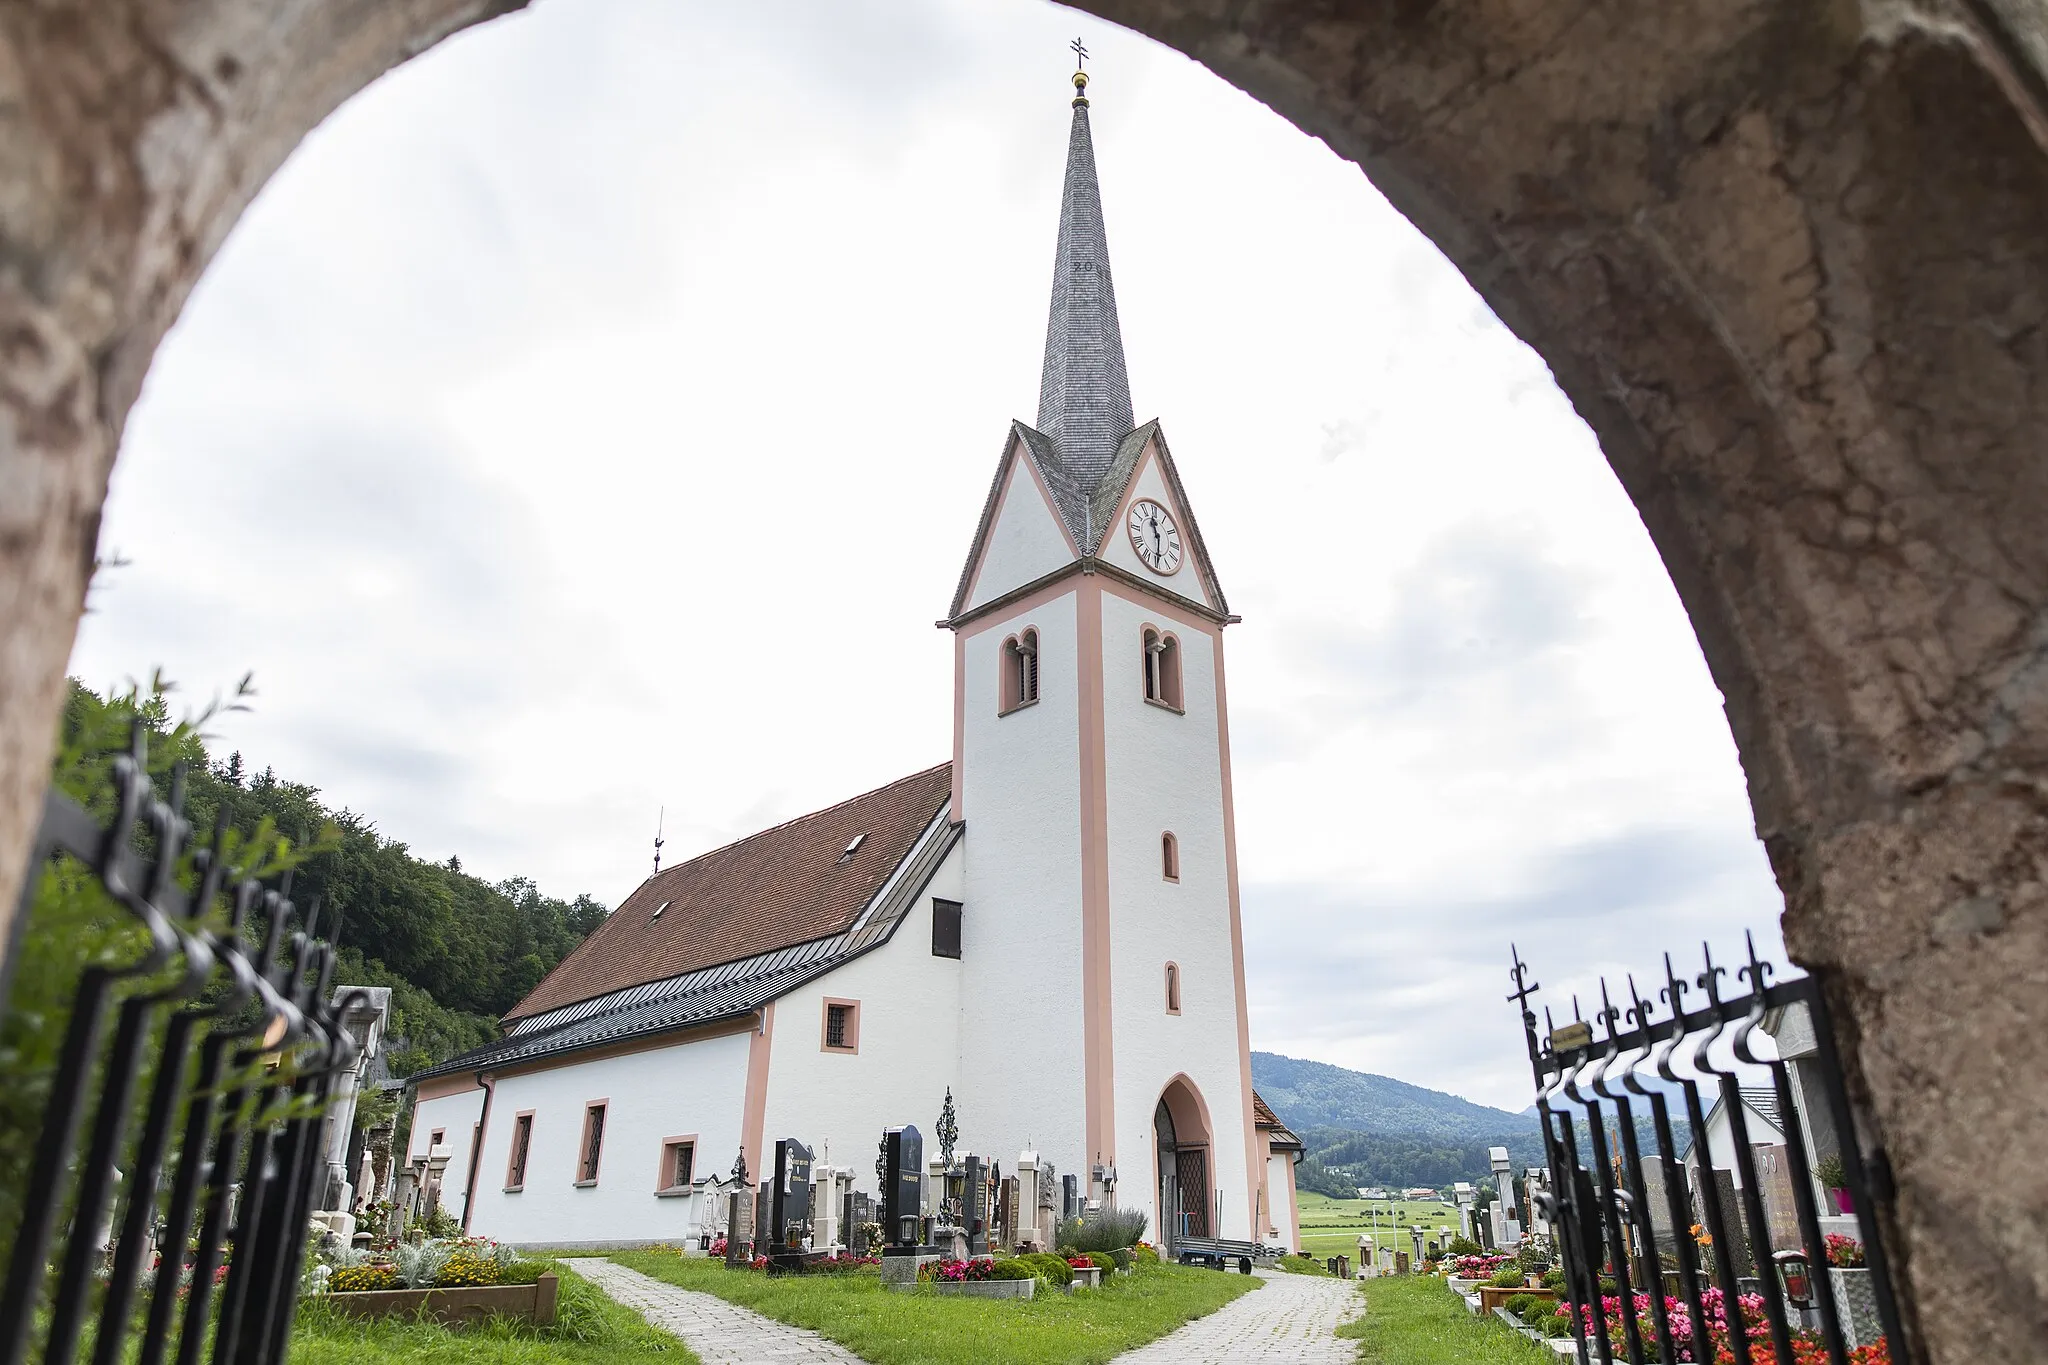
(533, 1303)
(1807, 1347)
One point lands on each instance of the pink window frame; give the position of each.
(852, 1048)
(661, 1166)
(514, 1158)
(583, 1143)
(1173, 984)
(1169, 855)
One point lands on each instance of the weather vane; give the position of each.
(1080, 53)
(659, 821)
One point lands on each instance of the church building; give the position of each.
(1047, 924)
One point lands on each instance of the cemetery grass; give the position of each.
(888, 1328)
(589, 1329)
(1331, 1227)
(1416, 1320)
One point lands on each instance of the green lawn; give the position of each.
(924, 1329)
(1416, 1320)
(589, 1329)
(1331, 1227)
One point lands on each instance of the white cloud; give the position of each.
(579, 386)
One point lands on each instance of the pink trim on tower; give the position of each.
(959, 723)
(1020, 456)
(1244, 1026)
(755, 1114)
(1098, 1052)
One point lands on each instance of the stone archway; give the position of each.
(1182, 1180)
(1785, 256)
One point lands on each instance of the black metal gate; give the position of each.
(204, 1143)
(1721, 1250)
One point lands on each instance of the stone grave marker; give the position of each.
(739, 1227)
(903, 1195)
(791, 1196)
(1070, 1197)
(974, 1207)
(1048, 1199)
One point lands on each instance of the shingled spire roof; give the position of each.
(1084, 396)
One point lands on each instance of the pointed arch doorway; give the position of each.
(1185, 1198)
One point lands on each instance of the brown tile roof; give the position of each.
(1262, 1115)
(782, 886)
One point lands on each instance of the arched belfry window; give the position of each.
(1020, 670)
(1169, 857)
(1173, 988)
(1162, 669)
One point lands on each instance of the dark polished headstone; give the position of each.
(739, 1230)
(903, 1193)
(791, 1198)
(1070, 1196)
(974, 1207)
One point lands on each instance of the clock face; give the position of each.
(1155, 537)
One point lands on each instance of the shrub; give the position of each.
(1509, 1276)
(1144, 1253)
(1557, 1325)
(1554, 1280)
(419, 1263)
(1108, 1229)
(1011, 1270)
(1303, 1265)
(1103, 1259)
(1519, 1303)
(352, 1279)
(522, 1272)
(1464, 1246)
(1537, 1311)
(1054, 1270)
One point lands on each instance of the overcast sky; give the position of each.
(576, 386)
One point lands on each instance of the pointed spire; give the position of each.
(1084, 396)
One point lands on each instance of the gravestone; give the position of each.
(1660, 1203)
(974, 1207)
(791, 1197)
(1400, 1263)
(1006, 1213)
(1048, 1199)
(903, 1195)
(764, 1218)
(1070, 1197)
(739, 1227)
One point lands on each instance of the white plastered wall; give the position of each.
(456, 1116)
(1280, 1190)
(1116, 544)
(1021, 1033)
(697, 1087)
(1165, 773)
(909, 1045)
(1025, 543)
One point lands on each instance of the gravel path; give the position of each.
(1292, 1318)
(723, 1333)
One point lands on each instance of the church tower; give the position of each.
(1103, 999)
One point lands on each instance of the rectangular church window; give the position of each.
(945, 928)
(678, 1163)
(842, 1026)
(593, 1142)
(522, 1143)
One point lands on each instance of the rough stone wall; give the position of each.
(1785, 256)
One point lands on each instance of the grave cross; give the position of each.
(1080, 53)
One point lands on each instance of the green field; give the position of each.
(1332, 1227)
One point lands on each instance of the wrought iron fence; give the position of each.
(1723, 1250)
(177, 1234)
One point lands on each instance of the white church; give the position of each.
(1047, 924)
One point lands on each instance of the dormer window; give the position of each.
(657, 911)
(1162, 669)
(1020, 670)
(852, 848)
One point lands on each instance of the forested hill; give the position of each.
(1361, 1129)
(1315, 1094)
(457, 951)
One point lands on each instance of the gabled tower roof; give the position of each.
(1084, 395)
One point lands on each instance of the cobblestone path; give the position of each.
(1293, 1318)
(723, 1333)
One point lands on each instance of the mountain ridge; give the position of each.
(1309, 1094)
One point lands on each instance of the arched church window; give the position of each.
(1169, 857)
(1020, 670)
(1162, 669)
(1173, 988)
